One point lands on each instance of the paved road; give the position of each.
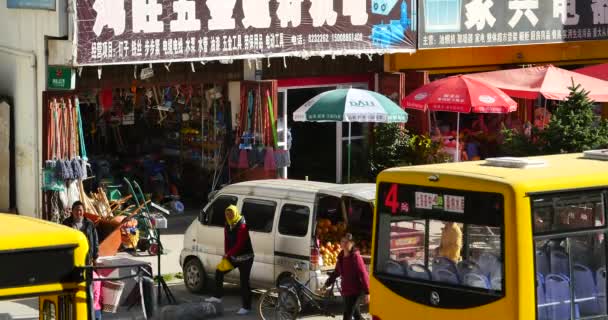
(172, 239)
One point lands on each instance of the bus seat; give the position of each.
(600, 278)
(541, 308)
(445, 276)
(584, 288)
(496, 283)
(542, 262)
(443, 263)
(559, 262)
(467, 266)
(489, 264)
(557, 291)
(393, 267)
(418, 271)
(476, 280)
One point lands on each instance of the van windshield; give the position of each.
(440, 237)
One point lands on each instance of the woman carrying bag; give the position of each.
(355, 279)
(238, 254)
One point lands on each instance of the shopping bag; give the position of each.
(225, 265)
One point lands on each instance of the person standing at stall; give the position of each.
(79, 222)
(239, 252)
(355, 279)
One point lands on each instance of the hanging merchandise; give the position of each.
(281, 156)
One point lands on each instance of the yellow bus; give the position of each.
(46, 260)
(504, 238)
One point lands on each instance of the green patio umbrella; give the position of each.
(350, 105)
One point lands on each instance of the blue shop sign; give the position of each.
(31, 4)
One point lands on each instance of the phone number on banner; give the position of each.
(335, 37)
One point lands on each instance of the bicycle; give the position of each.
(292, 296)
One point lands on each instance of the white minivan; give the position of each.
(289, 223)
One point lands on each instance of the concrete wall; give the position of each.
(5, 158)
(23, 77)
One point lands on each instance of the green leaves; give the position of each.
(394, 146)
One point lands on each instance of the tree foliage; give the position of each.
(573, 128)
(395, 146)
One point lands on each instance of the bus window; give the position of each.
(570, 255)
(439, 237)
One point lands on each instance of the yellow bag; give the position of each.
(225, 266)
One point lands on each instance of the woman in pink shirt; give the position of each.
(355, 279)
(97, 296)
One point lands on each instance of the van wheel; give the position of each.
(195, 278)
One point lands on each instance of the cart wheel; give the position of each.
(279, 304)
(153, 249)
(143, 245)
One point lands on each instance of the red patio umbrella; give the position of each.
(461, 95)
(549, 81)
(599, 71)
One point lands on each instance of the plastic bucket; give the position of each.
(110, 294)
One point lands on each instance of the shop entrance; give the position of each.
(318, 150)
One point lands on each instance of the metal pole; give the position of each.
(349, 148)
(457, 137)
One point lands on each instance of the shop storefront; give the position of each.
(201, 94)
(495, 36)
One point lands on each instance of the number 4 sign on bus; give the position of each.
(391, 200)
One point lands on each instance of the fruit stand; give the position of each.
(334, 223)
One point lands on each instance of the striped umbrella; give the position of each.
(350, 105)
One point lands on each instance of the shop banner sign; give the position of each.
(480, 23)
(132, 31)
(60, 78)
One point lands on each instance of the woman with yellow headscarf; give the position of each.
(238, 251)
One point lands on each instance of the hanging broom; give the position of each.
(269, 160)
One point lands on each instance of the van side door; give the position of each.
(210, 235)
(292, 244)
(259, 214)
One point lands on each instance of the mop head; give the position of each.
(269, 160)
(50, 164)
(243, 160)
(76, 169)
(64, 170)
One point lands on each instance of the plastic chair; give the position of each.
(542, 262)
(541, 308)
(585, 288)
(557, 291)
(600, 279)
(418, 271)
(559, 262)
(476, 280)
(445, 276)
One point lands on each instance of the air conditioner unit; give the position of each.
(596, 154)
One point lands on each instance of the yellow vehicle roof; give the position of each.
(560, 172)
(20, 232)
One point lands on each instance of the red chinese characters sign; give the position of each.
(132, 31)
